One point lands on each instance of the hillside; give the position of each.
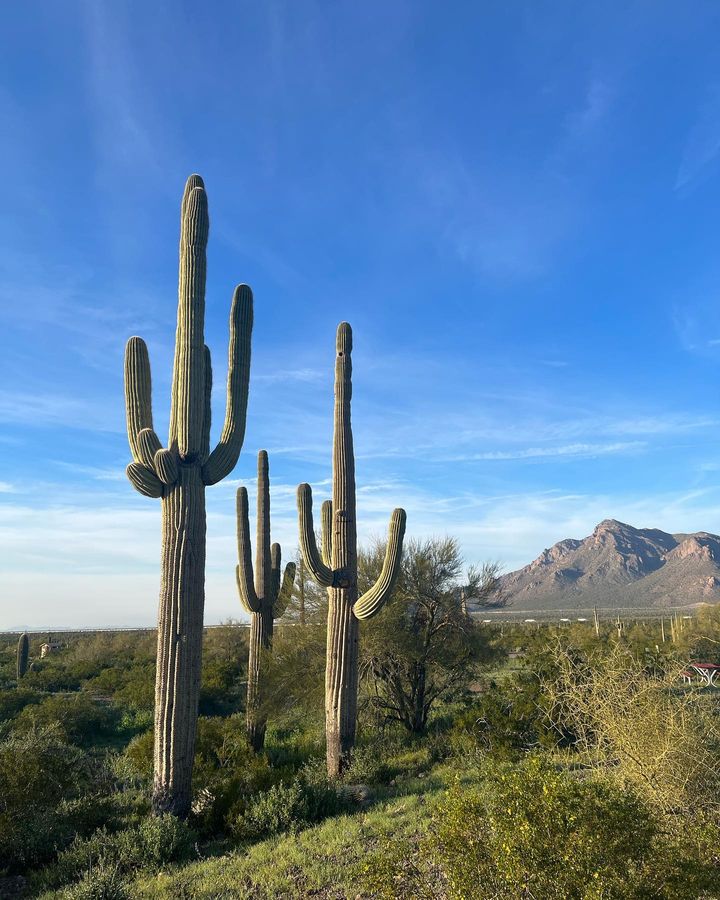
(620, 566)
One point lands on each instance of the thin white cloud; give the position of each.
(566, 451)
(702, 146)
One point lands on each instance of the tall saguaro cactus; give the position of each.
(266, 599)
(336, 568)
(178, 475)
(23, 654)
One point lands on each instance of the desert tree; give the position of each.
(427, 642)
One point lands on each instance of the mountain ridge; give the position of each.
(619, 565)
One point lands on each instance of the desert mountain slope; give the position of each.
(618, 565)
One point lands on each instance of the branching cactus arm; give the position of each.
(144, 480)
(372, 601)
(207, 418)
(285, 592)
(223, 458)
(322, 573)
(138, 392)
(244, 571)
(326, 532)
(275, 565)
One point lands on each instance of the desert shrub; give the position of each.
(81, 718)
(51, 676)
(149, 845)
(288, 807)
(14, 701)
(368, 766)
(137, 759)
(102, 882)
(227, 772)
(39, 774)
(645, 731)
(531, 830)
(505, 719)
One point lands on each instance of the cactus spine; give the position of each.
(23, 655)
(336, 568)
(266, 599)
(178, 475)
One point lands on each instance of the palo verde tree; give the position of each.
(427, 643)
(178, 475)
(266, 599)
(336, 568)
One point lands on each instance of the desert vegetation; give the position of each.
(561, 763)
(431, 753)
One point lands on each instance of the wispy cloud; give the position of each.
(564, 452)
(509, 225)
(48, 409)
(702, 145)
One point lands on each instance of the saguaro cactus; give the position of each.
(178, 475)
(266, 599)
(23, 654)
(336, 568)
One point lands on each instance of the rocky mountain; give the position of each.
(620, 566)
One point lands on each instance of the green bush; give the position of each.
(81, 718)
(153, 843)
(506, 719)
(39, 775)
(531, 830)
(14, 701)
(288, 807)
(101, 882)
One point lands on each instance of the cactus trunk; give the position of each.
(261, 629)
(23, 654)
(341, 678)
(178, 475)
(179, 643)
(341, 662)
(264, 599)
(336, 569)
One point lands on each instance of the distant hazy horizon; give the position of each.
(515, 208)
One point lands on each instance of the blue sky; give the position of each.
(515, 205)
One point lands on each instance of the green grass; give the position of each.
(323, 861)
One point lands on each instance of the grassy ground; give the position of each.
(324, 861)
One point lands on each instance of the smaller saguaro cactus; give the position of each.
(264, 600)
(23, 655)
(334, 566)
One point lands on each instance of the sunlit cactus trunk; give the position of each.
(336, 569)
(178, 475)
(265, 599)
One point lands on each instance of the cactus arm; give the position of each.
(285, 592)
(244, 571)
(144, 480)
(373, 600)
(148, 444)
(326, 532)
(207, 414)
(275, 564)
(308, 545)
(240, 581)
(264, 556)
(166, 466)
(223, 458)
(138, 391)
(188, 389)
